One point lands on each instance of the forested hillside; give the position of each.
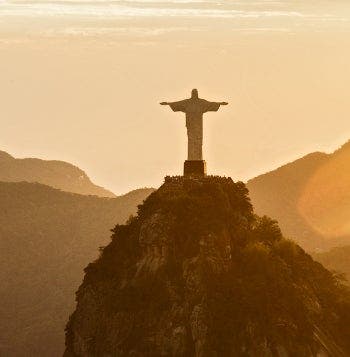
(196, 273)
(47, 237)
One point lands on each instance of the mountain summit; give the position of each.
(57, 174)
(196, 273)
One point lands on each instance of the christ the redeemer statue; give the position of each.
(194, 108)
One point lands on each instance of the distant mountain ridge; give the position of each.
(310, 198)
(57, 174)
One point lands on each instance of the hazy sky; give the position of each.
(81, 82)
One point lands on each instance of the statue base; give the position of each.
(195, 168)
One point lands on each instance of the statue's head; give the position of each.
(194, 94)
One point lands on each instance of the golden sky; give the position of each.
(81, 82)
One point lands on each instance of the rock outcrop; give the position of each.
(196, 273)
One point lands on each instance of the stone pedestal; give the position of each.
(195, 168)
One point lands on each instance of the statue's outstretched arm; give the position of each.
(179, 106)
(212, 106)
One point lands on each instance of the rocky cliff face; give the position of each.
(196, 273)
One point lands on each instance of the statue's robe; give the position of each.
(194, 109)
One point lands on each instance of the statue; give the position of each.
(194, 108)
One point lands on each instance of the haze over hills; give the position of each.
(309, 197)
(47, 237)
(57, 174)
(103, 66)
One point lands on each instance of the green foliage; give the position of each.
(201, 205)
(266, 230)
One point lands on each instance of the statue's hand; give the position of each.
(223, 103)
(163, 103)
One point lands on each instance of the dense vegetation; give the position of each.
(47, 237)
(57, 174)
(309, 198)
(196, 273)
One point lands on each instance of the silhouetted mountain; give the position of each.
(196, 273)
(309, 197)
(57, 174)
(336, 259)
(47, 237)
